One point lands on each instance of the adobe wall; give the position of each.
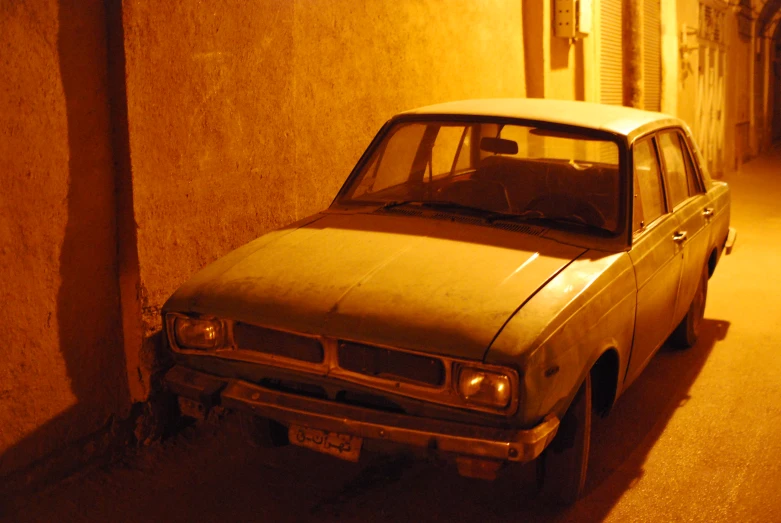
(248, 116)
(62, 375)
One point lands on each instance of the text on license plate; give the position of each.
(344, 446)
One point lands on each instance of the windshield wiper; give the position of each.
(492, 216)
(445, 205)
(556, 220)
(396, 203)
(455, 206)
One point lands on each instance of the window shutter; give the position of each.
(611, 53)
(652, 55)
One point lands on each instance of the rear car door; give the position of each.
(656, 255)
(692, 207)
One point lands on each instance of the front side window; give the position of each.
(566, 178)
(648, 195)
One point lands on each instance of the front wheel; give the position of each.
(561, 469)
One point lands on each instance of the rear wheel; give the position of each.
(686, 333)
(561, 469)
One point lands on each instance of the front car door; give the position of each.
(656, 254)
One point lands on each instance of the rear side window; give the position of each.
(692, 176)
(648, 196)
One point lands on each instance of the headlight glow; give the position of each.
(199, 333)
(483, 387)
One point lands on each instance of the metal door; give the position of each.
(709, 124)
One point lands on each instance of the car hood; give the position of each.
(409, 282)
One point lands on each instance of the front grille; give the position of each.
(390, 364)
(294, 387)
(278, 343)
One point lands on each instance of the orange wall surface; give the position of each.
(62, 372)
(248, 116)
(125, 171)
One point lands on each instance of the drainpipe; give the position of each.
(753, 149)
(633, 57)
(767, 49)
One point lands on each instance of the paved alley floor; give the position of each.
(696, 438)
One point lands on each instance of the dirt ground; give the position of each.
(696, 438)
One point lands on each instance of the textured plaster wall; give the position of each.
(62, 372)
(209, 92)
(245, 116)
(555, 66)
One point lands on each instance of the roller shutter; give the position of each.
(652, 55)
(611, 53)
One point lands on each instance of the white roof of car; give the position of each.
(615, 118)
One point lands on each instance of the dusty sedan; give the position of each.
(490, 274)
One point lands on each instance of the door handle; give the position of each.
(679, 236)
(708, 213)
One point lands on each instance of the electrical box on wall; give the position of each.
(572, 18)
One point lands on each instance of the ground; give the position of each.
(694, 439)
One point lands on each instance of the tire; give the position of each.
(561, 469)
(686, 333)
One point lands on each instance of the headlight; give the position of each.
(198, 333)
(484, 387)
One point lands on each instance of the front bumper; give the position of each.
(439, 435)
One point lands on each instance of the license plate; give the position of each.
(344, 446)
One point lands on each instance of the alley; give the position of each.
(696, 438)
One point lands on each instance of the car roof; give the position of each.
(615, 118)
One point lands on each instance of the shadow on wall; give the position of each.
(88, 307)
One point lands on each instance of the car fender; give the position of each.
(555, 339)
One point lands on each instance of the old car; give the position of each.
(490, 274)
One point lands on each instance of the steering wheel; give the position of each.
(560, 204)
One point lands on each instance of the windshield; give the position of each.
(510, 170)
